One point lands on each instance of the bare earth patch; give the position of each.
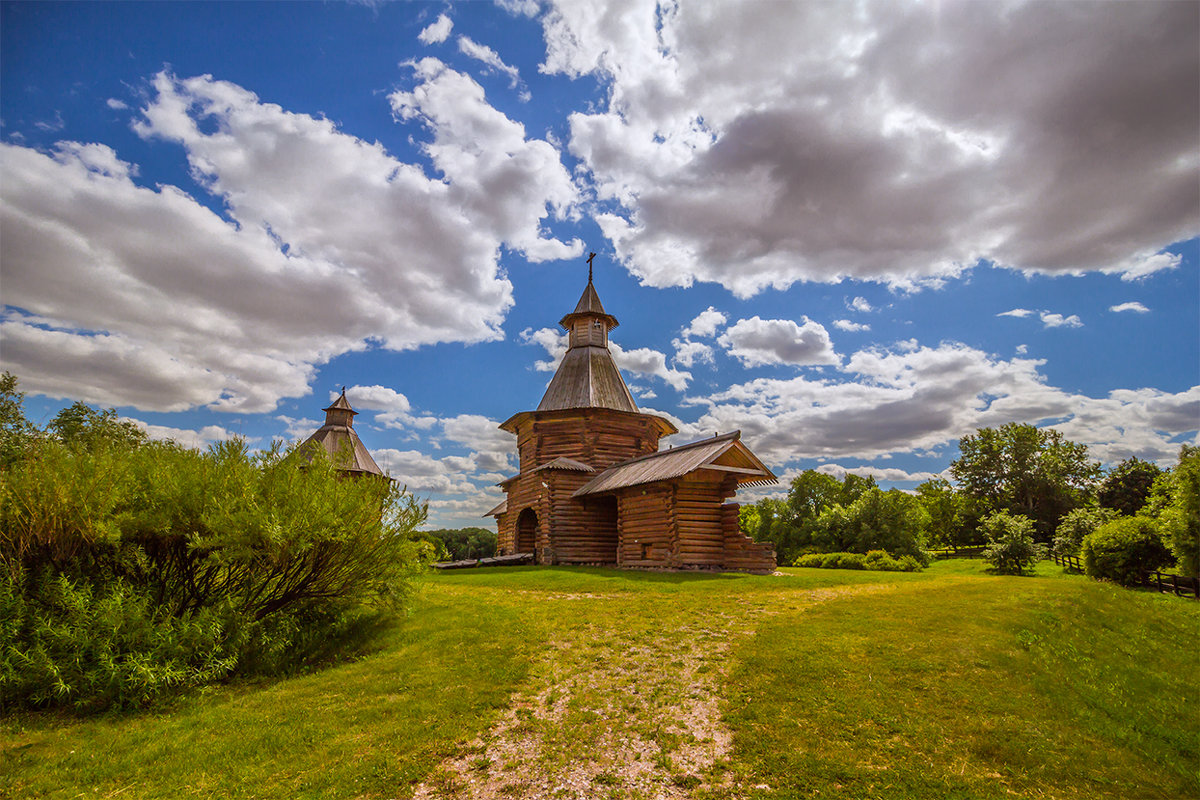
(627, 706)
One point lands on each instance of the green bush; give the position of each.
(130, 569)
(1124, 550)
(69, 643)
(876, 520)
(1076, 525)
(877, 560)
(1181, 516)
(1010, 548)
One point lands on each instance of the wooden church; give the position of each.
(594, 488)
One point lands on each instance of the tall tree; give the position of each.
(951, 521)
(1181, 517)
(1023, 469)
(16, 432)
(1126, 488)
(79, 426)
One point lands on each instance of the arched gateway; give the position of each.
(593, 478)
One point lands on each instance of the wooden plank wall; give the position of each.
(646, 526)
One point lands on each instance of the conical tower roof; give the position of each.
(587, 376)
(339, 440)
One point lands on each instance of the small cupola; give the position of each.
(340, 412)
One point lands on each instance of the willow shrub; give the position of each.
(127, 572)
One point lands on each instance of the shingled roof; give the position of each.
(587, 376)
(679, 461)
(340, 442)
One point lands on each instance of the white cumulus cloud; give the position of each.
(756, 145)
(757, 341)
(438, 31)
(120, 314)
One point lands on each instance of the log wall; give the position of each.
(742, 552)
(525, 492)
(646, 526)
(596, 437)
(580, 531)
(701, 519)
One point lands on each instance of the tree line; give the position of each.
(1020, 492)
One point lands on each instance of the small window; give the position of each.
(647, 551)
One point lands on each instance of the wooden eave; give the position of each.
(498, 510)
(563, 463)
(724, 453)
(513, 423)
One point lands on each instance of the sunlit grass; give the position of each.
(947, 683)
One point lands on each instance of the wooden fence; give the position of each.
(1069, 563)
(958, 552)
(1178, 585)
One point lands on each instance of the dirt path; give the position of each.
(617, 712)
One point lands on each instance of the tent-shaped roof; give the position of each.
(589, 304)
(340, 442)
(712, 454)
(587, 376)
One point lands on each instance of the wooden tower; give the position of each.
(594, 488)
(340, 442)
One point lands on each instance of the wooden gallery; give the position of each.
(595, 489)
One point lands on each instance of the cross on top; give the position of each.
(589, 260)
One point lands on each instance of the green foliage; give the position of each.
(81, 427)
(875, 560)
(1124, 550)
(132, 568)
(877, 520)
(749, 520)
(1126, 488)
(464, 543)
(1180, 518)
(1026, 470)
(16, 432)
(71, 643)
(1075, 526)
(1011, 549)
(790, 524)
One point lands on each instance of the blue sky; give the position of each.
(854, 237)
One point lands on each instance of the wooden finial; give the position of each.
(589, 260)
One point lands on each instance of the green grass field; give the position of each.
(588, 683)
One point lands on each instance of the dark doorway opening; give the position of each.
(527, 531)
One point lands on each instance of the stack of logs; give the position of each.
(742, 552)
